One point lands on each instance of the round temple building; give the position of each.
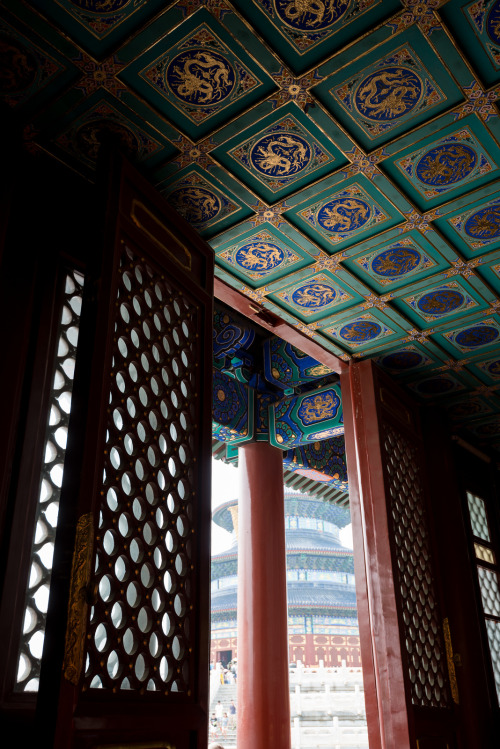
(322, 618)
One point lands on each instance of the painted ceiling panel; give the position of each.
(36, 67)
(477, 26)
(342, 158)
(363, 97)
(348, 211)
(98, 25)
(303, 35)
(281, 153)
(262, 256)
(197, 75)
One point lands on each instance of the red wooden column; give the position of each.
(263, 693)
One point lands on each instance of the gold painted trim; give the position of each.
(450, 661)
(77, 607)
(136, 204)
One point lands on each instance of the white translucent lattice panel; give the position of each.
(38, 585)
(478, 519)
(490, 593)
(493, 629)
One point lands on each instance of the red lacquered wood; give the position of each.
(361, 572)
(263, 694)
(388, 725)
(271, 322)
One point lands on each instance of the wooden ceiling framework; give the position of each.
(341, 158)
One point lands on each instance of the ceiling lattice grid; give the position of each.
(341, 157)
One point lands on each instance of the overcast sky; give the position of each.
(225, 488)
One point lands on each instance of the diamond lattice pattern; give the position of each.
(478, 518)
(423, 640)
(493, 630)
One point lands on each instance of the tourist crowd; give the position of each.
(221, 720)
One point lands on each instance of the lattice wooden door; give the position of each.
(128, 623)
(410, 685)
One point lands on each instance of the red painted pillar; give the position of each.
(263, 693)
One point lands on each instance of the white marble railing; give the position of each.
(339, 675)
(333, 736)
(326, 701)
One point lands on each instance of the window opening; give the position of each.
(325, 665)
(488, 577)
(42, 549)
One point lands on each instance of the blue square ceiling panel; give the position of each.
(361, 330)
(405, 359)
(262, 257)
(33, 71)
(389, 90)
(476, 26)
(488, 370)
(396, 262)
(438, 385)
(441, 167)
(436, 304)
(312, 297)
(102, 116)
(345, 213)
(280, 154)
(198, 76)
(306, 32)
(475, 228)
(203, 201)
(475, 337)
(99, 25)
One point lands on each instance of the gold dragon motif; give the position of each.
(386, 95)
(203, 78)
(318, 408)
(337, 219)
(102, 6)
(260, 256)
(400, 261)
(454, 164)
(314, 295)
(299, 12)
(270, 157)
(485, 224)
(195, 204)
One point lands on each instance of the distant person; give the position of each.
(224, 723)
(232, 714)
(218, 712)
(214, 725)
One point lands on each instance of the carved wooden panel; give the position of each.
(141, 623)
(426, 661)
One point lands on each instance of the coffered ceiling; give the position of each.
(340, 156)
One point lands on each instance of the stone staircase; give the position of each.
(225, 693)
(327, 710)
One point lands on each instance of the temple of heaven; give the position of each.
(322, 618)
